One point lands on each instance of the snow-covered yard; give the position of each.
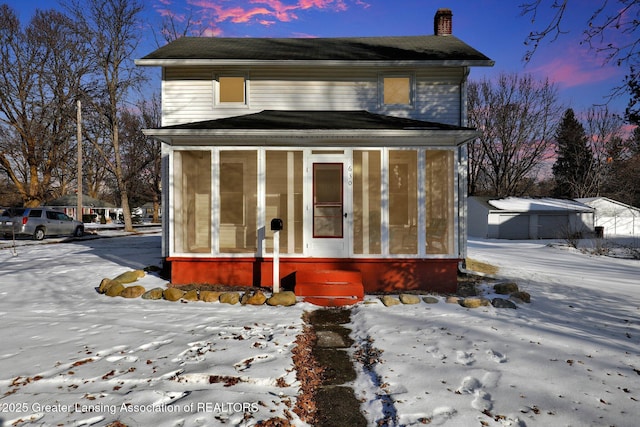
(70, 356)
(570, 358)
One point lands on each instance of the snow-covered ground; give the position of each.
(570, 358)
(72, 357)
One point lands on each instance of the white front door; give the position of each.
(328, 208)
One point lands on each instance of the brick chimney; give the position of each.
(442, 22)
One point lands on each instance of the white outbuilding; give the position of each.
(528, 218)
(616, 218)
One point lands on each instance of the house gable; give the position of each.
(425, 74)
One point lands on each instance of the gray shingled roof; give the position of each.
(309, 120)
(407, 48)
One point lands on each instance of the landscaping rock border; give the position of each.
(251, 296)
(116, 287)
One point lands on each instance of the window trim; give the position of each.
(412, 90)
(216, 90)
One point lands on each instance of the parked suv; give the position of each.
(38, 223)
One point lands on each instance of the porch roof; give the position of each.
(306, 120)
(435, 50)
(303, 124)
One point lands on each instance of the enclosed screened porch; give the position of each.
(386, 207)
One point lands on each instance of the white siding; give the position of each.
(438, 103)
(313, 90)
(477, 218)
(187, 95)
(188, 92)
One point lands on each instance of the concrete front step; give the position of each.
(330, 288)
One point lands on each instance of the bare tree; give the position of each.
(619, 16)
(605, 132)
(623, 163)
(112, 29)
(152, 118)
(97, 172)
(516, 116)
(588, 150)
(176, 25)
(40, 72)
(613, 30)
(142, 154)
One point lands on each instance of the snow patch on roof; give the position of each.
(525, 204)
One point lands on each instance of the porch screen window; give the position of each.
(439, 201)
(366, 202)
(396, 90)
(284, 199)
(238, 201)
(403, 202)
(232, 89)
(192, 201)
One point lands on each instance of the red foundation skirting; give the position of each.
(437, 275)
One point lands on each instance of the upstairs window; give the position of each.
(396, 90)
(231, 90)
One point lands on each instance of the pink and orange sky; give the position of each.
(495, 27)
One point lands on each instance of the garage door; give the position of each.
(553, 226)
(514, 227)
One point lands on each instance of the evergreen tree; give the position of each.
(632, 113)
(573, 167)
(624, 175)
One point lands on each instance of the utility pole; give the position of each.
(79, 137)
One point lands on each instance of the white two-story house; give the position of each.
(356, 144)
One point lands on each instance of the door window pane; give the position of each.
(403, 202)
(327, 200)
(439, 201)
(366, 202)
(192, 201)
(238, 201)
(284, 199)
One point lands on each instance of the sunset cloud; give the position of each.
(212, 32)
(169, 12)
(627, 130)
(322, 4)
(266, 22)
(163, 8)
(572, 74)
(577, 67)
(264, 13)
(238, 15)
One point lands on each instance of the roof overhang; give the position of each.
(364, 137)
(170, 62)
(308, 128)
